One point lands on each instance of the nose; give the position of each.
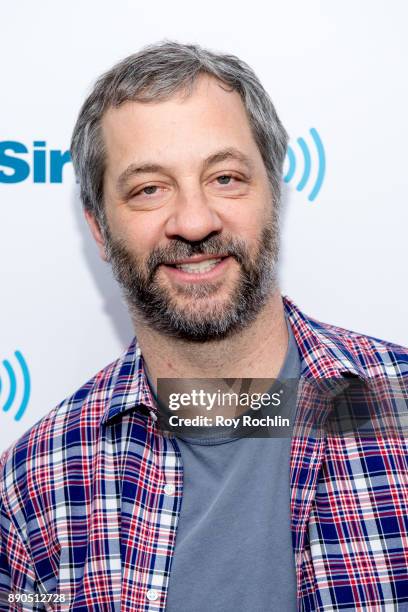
(192, 217)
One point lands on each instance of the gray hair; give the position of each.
(154, 74)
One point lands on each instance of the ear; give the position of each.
(96, 233)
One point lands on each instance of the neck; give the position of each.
(257, 351)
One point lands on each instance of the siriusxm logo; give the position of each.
(319, 165)
(18, 162)
(18, 384)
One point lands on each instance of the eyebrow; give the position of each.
(231, 153)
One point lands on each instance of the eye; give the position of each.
(228, 179)
(224, 179)
(149, 190)
(149, 196)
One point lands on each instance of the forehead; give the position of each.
(189, 127)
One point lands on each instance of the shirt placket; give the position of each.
(149, 523)
(307, 455)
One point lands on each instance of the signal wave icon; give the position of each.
(14, 388)
(307, 165)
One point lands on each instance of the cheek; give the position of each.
(141, 233)
(247, 222)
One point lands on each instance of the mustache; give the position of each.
(180, 249)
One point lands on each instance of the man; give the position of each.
(179, 155)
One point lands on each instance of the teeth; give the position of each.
(199, 267)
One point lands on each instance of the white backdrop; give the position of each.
(338, 67)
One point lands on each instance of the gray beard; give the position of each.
(149, 300)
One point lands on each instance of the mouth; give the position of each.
(202, 267)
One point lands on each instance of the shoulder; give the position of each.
(73, 421)
(327, 348)
(376, 356)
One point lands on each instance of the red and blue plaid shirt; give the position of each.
(91, 494)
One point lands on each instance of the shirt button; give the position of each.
(152, 595)
(169, 489)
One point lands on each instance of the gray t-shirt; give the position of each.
(233, 550)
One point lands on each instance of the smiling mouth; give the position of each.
(198, 267)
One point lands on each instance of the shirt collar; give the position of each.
(324, 351)
(323, 354)
(130, 385)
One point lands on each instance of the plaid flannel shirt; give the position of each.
(91, 494)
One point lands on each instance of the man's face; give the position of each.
(192, 231)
